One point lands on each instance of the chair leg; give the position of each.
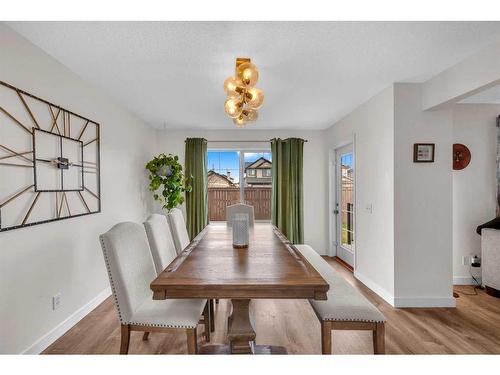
(192, 341)
(326, 337)
(212, 315)
(125, 338)
(379, 339)
(145, 336)
(207, 319)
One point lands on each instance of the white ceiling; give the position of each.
(313, 73)
(488, 96)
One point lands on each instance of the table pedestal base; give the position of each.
(241, 334)
(258, 349)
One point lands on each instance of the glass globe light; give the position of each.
(239, 121)
(248, 73)
(255, 98)
(251, 115)
(233, 86)
(233, 107)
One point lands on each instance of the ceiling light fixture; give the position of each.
(243, 98)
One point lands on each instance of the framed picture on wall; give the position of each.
(423, 152)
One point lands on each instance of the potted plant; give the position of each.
(167, 180)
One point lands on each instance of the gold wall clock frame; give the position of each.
(66, 126)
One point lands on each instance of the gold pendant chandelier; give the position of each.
(243, 98)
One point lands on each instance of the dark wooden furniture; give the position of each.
(211, 268)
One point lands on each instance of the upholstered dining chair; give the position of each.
(179, 230)
(130, 270)
(163, 251)
(239, 208)
(161, 241)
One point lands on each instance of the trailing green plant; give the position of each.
(167, 180)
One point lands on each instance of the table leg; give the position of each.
(241, 334)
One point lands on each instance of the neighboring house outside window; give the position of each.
(218, 180)
(258, 173)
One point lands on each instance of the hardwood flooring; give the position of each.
(472, 327)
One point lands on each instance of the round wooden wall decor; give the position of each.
(461, 156)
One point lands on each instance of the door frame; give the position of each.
(333, 177)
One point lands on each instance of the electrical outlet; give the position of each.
(56, 301)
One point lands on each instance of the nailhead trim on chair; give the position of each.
(162, 325)
(113, 289)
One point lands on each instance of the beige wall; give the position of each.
(422, 203)
(474, 188)
(65, 257)
(371, 128)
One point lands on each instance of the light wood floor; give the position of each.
(472, 327)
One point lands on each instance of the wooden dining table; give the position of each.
(210, 267)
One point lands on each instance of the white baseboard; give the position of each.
(388, 297)
(41, 344)
(424, 302)
(465, 280)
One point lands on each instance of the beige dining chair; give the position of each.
(239, 208)
(163, 251)
(130, 270)
(179, 230)
(161, 241)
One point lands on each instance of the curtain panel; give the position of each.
(197, 199)
(287, 192)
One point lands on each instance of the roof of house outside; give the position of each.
(257, 163)
(228, 179)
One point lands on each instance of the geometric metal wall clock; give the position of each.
(49, 161)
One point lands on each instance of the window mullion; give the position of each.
(242, 188)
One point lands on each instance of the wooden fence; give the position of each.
(220, 198)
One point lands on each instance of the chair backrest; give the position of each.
(160, 240)
(130, 267)
(179, 230)
(239, 208)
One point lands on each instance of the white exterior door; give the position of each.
(344, 204)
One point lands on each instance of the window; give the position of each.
(233, 178)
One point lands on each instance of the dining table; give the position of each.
(211, 268)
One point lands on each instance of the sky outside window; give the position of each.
(223, 162)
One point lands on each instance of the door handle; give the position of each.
(336, 212)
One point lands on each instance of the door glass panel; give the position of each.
(347, 201)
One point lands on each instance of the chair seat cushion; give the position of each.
(344, 302)
(169, 313)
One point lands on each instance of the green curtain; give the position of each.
(287, 197)
(197, 199)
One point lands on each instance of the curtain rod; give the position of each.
(244, 141)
